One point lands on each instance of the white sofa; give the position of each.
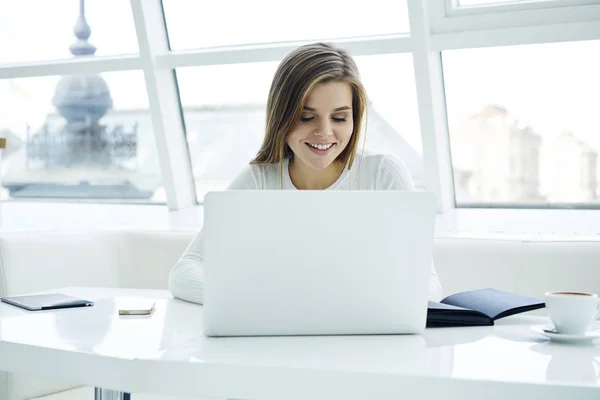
(40, 260)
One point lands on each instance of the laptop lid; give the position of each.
(317, 262)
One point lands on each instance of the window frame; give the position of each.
(453, 7)
(531, 12)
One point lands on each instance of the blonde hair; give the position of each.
(295, 77)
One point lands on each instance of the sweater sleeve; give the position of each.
(187, 275)
(393, 174)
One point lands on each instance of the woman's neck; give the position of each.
(306, 178)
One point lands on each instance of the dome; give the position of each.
(82, 98)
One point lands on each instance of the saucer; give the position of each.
(550, 333)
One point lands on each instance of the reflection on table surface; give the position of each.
(508, 351)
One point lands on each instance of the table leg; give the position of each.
(105, 394)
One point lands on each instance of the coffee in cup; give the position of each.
(572, 312)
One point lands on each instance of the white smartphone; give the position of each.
(135, 306)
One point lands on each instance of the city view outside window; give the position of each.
(524, 124)
(75, 136)
(79, 137)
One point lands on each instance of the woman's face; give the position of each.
(325, 125)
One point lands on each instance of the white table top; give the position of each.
(167, 353)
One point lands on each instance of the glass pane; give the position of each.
(394, 117)
(524, 123)
(225, 115)
(44, 30)
(192, 24)
(79, 137)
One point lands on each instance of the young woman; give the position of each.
(315, 114)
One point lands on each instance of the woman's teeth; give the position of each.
(321, 146)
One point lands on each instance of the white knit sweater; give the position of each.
(369, 172)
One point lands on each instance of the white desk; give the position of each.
(168, 354)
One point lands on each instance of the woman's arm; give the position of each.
(187, 275)
(186, 280)
(393, 175)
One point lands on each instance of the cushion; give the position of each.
(146, 258)
(35, 261)
(559, 265)
(467, 264)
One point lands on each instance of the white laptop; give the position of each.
(317, 262)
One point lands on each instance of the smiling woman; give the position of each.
(315, 115)
(315, 111)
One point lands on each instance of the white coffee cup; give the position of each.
(572, 312)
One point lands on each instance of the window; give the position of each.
(79, 137)
(394, 115)
(520, 94)
(39, 30)
(224, 115)
(524, 124)
(192, 24)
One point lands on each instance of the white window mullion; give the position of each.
(526, 15)
(164, 103)
(387, 44)
(83, 65)
(432, 108)
(515, 36)
(453, 7)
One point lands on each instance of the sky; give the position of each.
(550, 87)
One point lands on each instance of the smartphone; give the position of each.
(135, 306)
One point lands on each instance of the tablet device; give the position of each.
(49, 301)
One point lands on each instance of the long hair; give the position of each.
(295, 77)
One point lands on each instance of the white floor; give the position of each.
(550, 224)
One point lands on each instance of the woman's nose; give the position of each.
(324, 129)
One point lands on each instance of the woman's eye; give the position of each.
(306, 119)
(339, 119)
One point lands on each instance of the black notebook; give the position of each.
(478, 308)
